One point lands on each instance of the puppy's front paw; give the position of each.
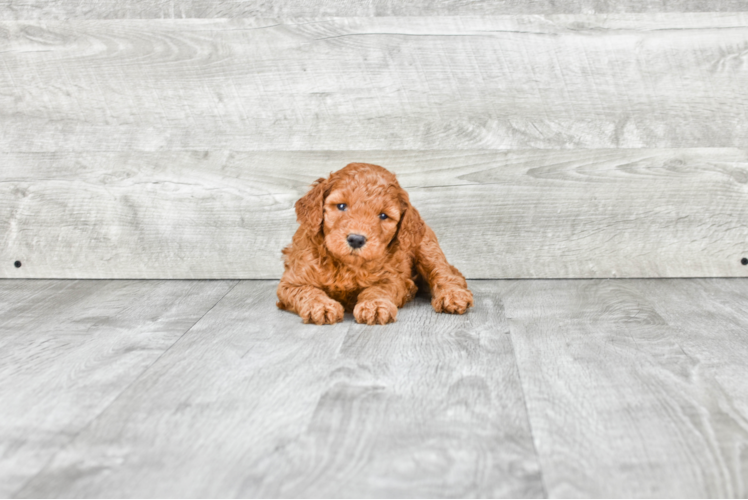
(322, 312)
(377, 311)
(452, 300)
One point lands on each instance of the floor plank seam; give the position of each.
(524, 402)
(124, 390)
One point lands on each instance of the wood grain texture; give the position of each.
(494, 82)
(251, 402)
(635, 388)
(242, 382)
(428, 407)
(69, 348)
(135, 9)
(498, 214)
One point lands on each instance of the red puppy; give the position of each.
(360, 248)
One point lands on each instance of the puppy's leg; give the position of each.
(309, 302)
(449, 289)
(377, 305)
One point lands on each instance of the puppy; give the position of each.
(361, 247)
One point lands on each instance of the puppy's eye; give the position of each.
(342, 206)
(383, 216)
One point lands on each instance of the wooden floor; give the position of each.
(548, 388)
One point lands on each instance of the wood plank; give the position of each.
(13, 294)
(712, 317)
(429, 407)
(498, 214)
(69, 348)
(243, 381)
(142, 9)
(490, 82)
(253, 403)
(631, 391)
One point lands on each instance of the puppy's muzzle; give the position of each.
(356, 240)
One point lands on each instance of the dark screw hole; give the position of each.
(17, 263)
(744, 261)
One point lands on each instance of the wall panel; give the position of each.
(498, 214)
(178, 9)
(511, 82)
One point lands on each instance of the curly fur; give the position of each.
(324, 276)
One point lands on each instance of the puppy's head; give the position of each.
(361, 212)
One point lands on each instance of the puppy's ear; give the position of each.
(411, 227)
(309, 208)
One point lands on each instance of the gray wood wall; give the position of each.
(148, 139)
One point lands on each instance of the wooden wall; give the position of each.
(149, 139)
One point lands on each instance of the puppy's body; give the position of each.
(360, 247)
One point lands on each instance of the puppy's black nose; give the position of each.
(356, 240)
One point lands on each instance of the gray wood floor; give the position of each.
(550, 388)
